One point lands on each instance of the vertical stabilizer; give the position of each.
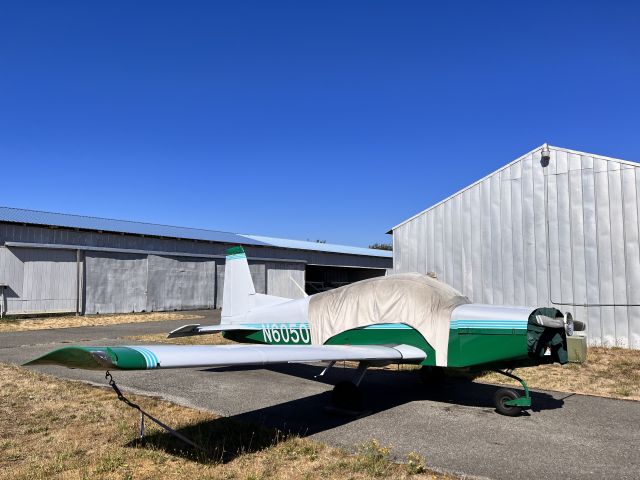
(238, 293)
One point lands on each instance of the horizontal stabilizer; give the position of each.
(143, 357)
(196, 329)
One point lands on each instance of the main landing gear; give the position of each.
(346, 395)
(507, 401)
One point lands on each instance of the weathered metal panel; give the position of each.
(518, 238)
(281, 278)
(115, 282)
(495, 252)
(179, 283)
(485, 238)
(38, 280)
(564, 234)
(591, 251)
(506, 246)
(476, 249)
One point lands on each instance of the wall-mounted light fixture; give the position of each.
(546, 155)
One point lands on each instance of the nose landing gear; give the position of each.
(509, 402)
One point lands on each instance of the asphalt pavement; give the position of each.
(455, 428)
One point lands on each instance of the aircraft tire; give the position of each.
(347, 396)
(503, 395)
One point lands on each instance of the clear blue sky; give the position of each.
(322, 120)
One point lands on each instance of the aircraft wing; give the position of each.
(144, 357)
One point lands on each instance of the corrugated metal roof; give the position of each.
(36, 217)
(320, 247)
(18, 215)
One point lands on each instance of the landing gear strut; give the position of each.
(346, 395)
(508, 402)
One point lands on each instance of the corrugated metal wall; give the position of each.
(121, 281)
(179, 283)
(39, 280)
(566, 234)
(281, 277)
(115, 282)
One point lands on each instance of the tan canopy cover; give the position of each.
(417, 300)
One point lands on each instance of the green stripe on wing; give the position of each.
(96, 358)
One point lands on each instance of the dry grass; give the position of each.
(69, 321)
(213, 339)
(608, 372)
(51, 428)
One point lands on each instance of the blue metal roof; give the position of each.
(35, 217)
(18, 215)
(320, 247)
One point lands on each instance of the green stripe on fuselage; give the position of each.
(299, 334)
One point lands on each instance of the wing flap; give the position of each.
(141, 357)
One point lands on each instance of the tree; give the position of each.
(382, 246)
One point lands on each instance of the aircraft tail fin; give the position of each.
(238, 284)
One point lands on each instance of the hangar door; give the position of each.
(180, 283)
(39, 280)
(115, 282)
(126, 282)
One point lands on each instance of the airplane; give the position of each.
(396, 319)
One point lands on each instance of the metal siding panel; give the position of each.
(507, 238)
(412, 250)
(528, 233)
(476, 247)
(456, 250)
(439, 250)
(420, 243)
(486, 231)
(605, 262)
(115, 282)
(259, 276)
(179, 283)
(467, 245)
(398, 248)
(553, 235)
(634, 312)
(578, 262)
(632, 251)
(590, 252)
(518, 241)
(281, 277)
(448, 243)
(617, 254)
(431, 240)
(48, 281)
(564, 233)
(496, 240)
(540, 226)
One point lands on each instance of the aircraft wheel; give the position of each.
(503, 395)
(347, 396)
(431, 376)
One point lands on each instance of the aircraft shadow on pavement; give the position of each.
(225, 438)
(382, 389)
